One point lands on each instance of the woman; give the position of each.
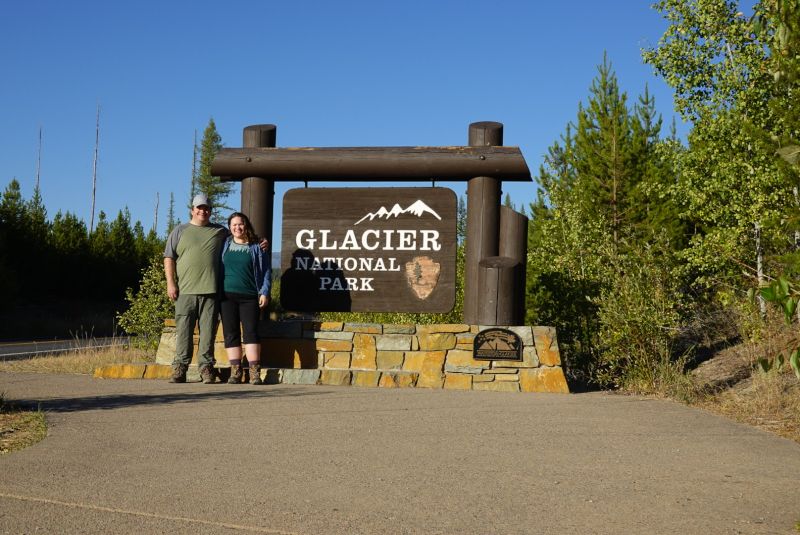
(247, 279)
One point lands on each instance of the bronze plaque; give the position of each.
(497, 344)
(368, 250)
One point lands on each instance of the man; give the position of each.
(193, 254)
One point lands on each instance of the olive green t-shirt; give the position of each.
(196, 251)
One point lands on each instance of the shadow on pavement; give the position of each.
(117, 401)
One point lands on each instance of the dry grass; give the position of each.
(19, 429)
(729, 385)
(81, 362)
(768, 401)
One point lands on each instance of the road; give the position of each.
(22, 349)
(139, 456)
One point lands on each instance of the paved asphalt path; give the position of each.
(128, 456)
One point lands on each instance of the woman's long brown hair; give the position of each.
(249, 233)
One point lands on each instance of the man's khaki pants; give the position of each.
(202, 310)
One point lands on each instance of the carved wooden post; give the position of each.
(497, 277)
(258, 193)
(483, 219)
(514, 244)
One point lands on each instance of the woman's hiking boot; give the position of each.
(236, 375)
(255, 374)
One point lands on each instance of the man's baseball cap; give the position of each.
(200, 200)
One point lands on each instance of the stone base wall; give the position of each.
(394, 356)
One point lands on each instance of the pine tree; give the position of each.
(139, 241)
(70, 244)
(124, 252)
(12, 207)
(147, 245)
(36, 216)
(69, 235)
(36, 232)
(507, 201)
(461, 220)
(652, 212)
(216, 190)
(602, 151)
(153, 246)
(12, 215)
(585, 240)
(121, 236)
(171, 221)
(99, 241)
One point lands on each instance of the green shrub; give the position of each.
(148, 307)
(639, 313)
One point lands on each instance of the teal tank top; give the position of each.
(239, 277)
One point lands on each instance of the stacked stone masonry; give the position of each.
(395, 356)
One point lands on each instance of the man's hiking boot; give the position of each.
(236, 375)
(255, 374)
(178, 374)
(207, 374)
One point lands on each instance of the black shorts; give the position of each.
(236, 309)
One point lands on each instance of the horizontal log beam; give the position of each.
(372, 163)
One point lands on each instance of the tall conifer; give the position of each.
(171, 221)
(603, 152)
(216, 190)
(584, 239)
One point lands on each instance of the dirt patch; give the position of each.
(727, 368)
(728, 384)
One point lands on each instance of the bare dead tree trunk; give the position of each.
(94, 167)
(194, 167)
(796, 236)
(797, 231)
(615, 187)
(762, 304)
(155, 215)
(39, 160)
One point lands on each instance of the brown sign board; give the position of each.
(368, 250)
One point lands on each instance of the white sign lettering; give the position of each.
(401, 240)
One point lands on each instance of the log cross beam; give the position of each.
(372, 163)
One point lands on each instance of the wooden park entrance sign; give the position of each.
(496, 237)
(369, 249)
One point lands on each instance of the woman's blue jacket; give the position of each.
(262, 266)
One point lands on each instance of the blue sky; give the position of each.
(328, 74)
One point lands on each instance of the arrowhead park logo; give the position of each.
(422, 274)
